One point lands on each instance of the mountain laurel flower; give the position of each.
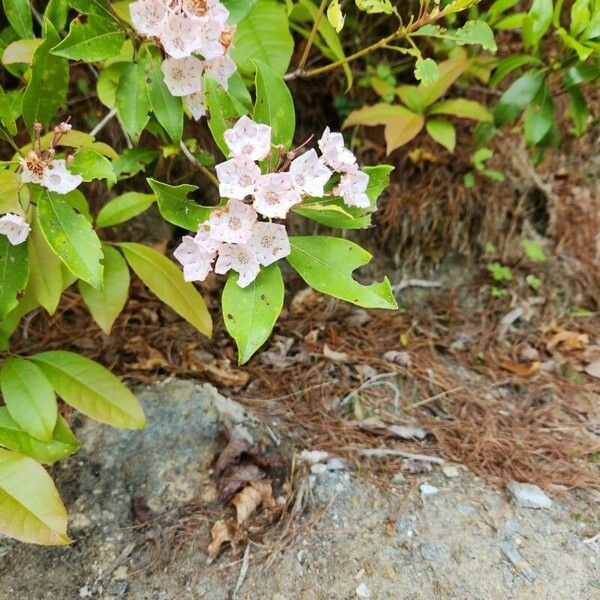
(179, 36)
(51, 174)
(269, 243)
(15, 228)
(147, 16)
(220, 69)
(275, 194)
(241, 259)
(196, 261)
(335, 154)
(183, 76)
(352, 188)
(310, 174)
(233, 223)
(237, 177)
(195, 104)
(248, 138)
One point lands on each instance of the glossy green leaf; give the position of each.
(536, 22)
(56, 12)
(238, 9)
(584, 51)
(30, 507)
(92, 165)
(463, 108)
(71, 237)
(9, 192)
(250, 313)
(539, 116)
(63, 442)
(274, 105)
(517, 97)
(176, 207)
(509, 64)
(29, 398)
(92, 7)
(578, 111)
(91, 389)
(124, 207)
(18, 14)
(14, 272)
(326, 264)
(46, 91)
(475, 32)
(426, 70)
(91, 39)
(165, 280)
(78, 140)
(223, 113)
(450, 71)
(6, 115)
(131, 99)
(167, 108)
(263, 35)
(107, 303)
(45, 273)
(443, 132)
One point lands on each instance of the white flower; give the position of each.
(34, 168)
(310, 174)
(183, 76)
(179, 36)
(237, 177)
(352, 188)
(15, 228)
(195, 104)
(58, 179)
(249, 138)
(197, 263)
(221, 69)
(209, 44)
(233, 223)
(239, 258)
(269, 242)
(275, 194)
(335, 153)
(147, 16)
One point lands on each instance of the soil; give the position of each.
(142, 504)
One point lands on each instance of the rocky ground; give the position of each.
(440, 534)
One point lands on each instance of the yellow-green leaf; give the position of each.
(402, 129)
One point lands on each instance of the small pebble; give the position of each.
(527, 495)
(363, 591)
(428, 490)
(450, 471)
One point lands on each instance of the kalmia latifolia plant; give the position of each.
(149, 65)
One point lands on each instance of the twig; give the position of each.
(193, 159)
(243, 572)
(312, 36)
(379, 452)
(366, 384)
(100, 126)
(422, 283)
(432, 398)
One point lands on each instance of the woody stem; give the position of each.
(312, 35)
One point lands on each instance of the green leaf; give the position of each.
(30, 508)
(91, 39)
(9, 192)
(48, 84)
(274, 105)
(124, 207)
(509, 64)
(335, 15)
(45, 273)
(238, 9)
(426, 70)
(56, 12)
(250, 313)
(263, 35)
(21, 51)
(583, 51)
(375, 6)
(63, 442)
(14, 272)
(71, 237)
(167, 108)
(91, 165)
(579, 111)
(176, 207)
(79, 202)
(450, 71)
(539, 116)
(580, 16)
(475, 32)
(18, 14)
(326, 264)
(108, 81)
(443, 132)
(29, 398)
(517, 97)
(165, 280)
(6, 114)
(533, 250)
(536, 22)
(223, 113)
(92, 7)
(461, 107)
(91, 389)
(131, 99)
(107, 303)
(78, 140)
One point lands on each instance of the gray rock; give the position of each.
(527, 495)
(450, 471)
(518, 562)
(428, 490)
(434, 551)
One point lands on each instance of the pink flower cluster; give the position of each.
(188, 29)
(234, 236)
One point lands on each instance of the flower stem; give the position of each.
(207, 173)
(313, 35)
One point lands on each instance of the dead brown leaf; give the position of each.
(568, 341)
(220, 534)
(521, 369)
(218, 371)
(236, 478)
(335, 356)
(237, 444)
(251, 497)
